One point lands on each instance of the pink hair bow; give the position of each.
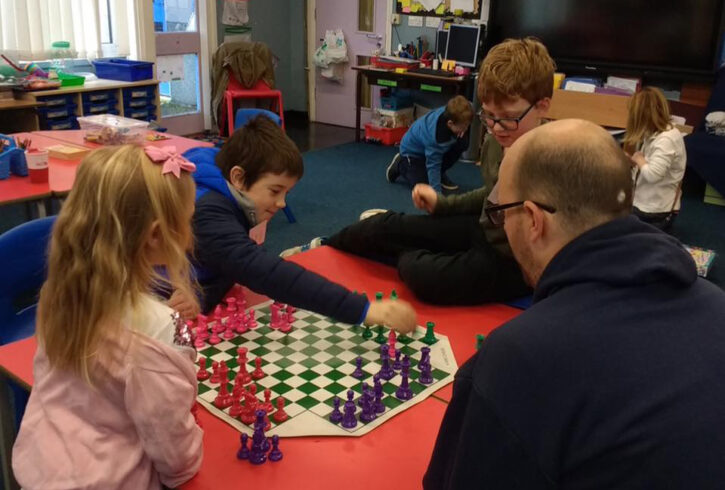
(173, 162)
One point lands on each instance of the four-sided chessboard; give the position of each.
(313, 363)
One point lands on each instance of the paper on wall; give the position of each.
(430, 4)
(170, 68)
(464, 5)
(432, 21)
(415, 21)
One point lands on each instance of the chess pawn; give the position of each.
(231, 306)
(258, 373)
(252, 320)
(349, 421)
(280, 415)
(267, 405)
(243, 452)
(336, 414)
(214, 339)
(229, 329)
(275, 454)
(202, 374)
(218, 327)
(214, 372)
(236, 407)
(202, 329)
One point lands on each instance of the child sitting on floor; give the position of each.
(242, 185)
(657, 150)
(111, 405)
(432, 145)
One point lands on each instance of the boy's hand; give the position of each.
(425, 197)
(394, 313)
(187, 307)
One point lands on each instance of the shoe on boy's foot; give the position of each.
(392, 173)
(371, 212)
(448, 184)
(314, 243)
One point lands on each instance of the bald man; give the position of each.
(615, 377)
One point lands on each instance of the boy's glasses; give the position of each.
(508, 123)
(497, 216)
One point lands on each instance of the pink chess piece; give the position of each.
(229, 329)
(267, 405)
(214, 372)
(214, 339)
(258, 373)
(252, 323)
(236, 407)
(218, 327)
(290, 313)
(280, 415)
(199, 338)
(231, 305)
(274, 316)
(202, 374)
(202, 328)
(391, 343)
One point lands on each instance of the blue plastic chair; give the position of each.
(23, 262)
(241, 118)
(522, 303)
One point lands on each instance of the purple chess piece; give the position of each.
(386, 371)
(336, 415)
(258, 454)
(243, 452)
(349, 421)
(363, 390)
(404, 392)
(358, 373)
(275, 454)
(368, 409)
(424, 366)
(396, 363)
(379, 405)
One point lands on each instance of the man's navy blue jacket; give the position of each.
(225, 254)
(614, 378)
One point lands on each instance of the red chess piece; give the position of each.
(252, 323)
(202, 374)
(290, 313)
(250, 403)
(267, 405)
(229, 330)
(391, 342)
(267, 423)
(253, 390)
(280, 415)
(198, 338)
(240, 320)
(202, 329)
(258, 373)
(222, 399)
(214, 339)
(274, 316)
(214, 372)
(231, 305)
(236, 407)
(218, 318)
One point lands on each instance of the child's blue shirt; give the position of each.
(429, 137)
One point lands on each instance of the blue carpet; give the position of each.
(340, 183)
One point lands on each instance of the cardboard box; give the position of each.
(67, 152)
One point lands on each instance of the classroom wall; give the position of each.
(280, 24)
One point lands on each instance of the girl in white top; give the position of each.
(657, 150)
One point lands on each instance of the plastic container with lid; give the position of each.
(60, 51)
(109, 129)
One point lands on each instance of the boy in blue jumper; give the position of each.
(240, 186)
(432, 145)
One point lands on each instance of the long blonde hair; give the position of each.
(98, 261)
(649, 113)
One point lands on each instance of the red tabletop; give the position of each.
(395, 455)
(61, 173)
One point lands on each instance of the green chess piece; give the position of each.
(394, 294)
(381, 338)
(367, 333)
(479, 340)
(378, 296)
(429, 337)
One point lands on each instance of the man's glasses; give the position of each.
(496, 214)
(508, 123)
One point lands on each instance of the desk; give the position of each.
(394, 455)
(61, 173)
(413, 81)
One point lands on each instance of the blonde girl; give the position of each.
(657, 150)
(113, 392)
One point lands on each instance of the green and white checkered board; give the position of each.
(312, 364)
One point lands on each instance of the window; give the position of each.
(104, 7)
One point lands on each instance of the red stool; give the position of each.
(261, 90)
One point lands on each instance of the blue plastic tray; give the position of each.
(126, 70)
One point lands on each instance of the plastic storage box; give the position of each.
(108, 129)
(126, 70)
(385, 136)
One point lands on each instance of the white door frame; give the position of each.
(312, 46)
(146, 44)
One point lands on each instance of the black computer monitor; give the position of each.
(462, 44)
(441, 43)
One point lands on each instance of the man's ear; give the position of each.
(535, 221)
(236, 177)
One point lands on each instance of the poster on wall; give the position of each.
(235, 12)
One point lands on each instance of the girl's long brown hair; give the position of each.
(99, 263)
(649, 113)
